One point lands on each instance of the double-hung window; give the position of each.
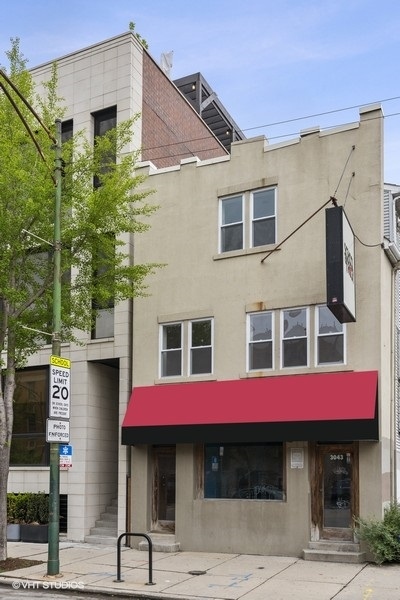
(171, 350)
(186, 348)
(200, 347)
(247, 220)
(231, 223)
(294, 329)
(330, 337)
(263, 219)
(260, 340)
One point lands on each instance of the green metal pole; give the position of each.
(53, 562)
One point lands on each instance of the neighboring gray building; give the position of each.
(101, 85)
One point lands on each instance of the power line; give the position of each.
(269, 138)
(321, 114)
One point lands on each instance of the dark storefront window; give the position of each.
(28, 445)
(244, 471)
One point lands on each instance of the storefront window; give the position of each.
(28, 445)
(244, 471)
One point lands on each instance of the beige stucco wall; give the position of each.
(198, 282)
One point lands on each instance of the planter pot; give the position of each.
(13, 532)
(35, 533)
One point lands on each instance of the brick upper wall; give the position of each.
(171, 128)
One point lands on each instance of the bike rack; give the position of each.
(119, 579)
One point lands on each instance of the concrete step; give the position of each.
(330, 551)
(111, 524)
(341, 546)
(162, 542)
(112, 509)
(111, 517)
(105, 540)
(104, 531)
(334, 556)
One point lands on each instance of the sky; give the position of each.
(278, 66)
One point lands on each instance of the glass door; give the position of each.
(337, 475)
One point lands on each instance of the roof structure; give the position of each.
(206, 103)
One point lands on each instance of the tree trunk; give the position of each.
(4, 468)
(6, 425)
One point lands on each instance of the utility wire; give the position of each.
(286, 135)
(321, 114)
(331, 199)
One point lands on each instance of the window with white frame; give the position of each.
(260, 340)
(200, 346)
(263, 217)
(171, 350)
(247, 220)
(186, 348)
(330, 337)
(231, 218)
(294, 336)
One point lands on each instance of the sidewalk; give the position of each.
(89, 568)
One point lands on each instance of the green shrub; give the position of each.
(382, 536)
(12, 516)
(28, 507)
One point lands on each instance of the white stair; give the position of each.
(105, 531)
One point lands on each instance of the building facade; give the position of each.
(262, 413)
(245, 405)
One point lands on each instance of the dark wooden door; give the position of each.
(335, 490)
(164, 467)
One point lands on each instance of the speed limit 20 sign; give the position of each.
(59, 404)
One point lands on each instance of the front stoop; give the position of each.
(340, 552)
(105, 530)
(162, 542)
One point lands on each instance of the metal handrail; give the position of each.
(126, 534)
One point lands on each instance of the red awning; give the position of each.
(161, 412)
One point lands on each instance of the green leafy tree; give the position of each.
(97, 223)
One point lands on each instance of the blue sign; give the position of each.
(65, 450)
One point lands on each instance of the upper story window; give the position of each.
(200, 347)
(260, 340)
(67, 130)
(171, 350)
(186, 348)
(294, 335)
(330, 337)
(247, 220)
(232, 223)
(104, 120)
(263, 219)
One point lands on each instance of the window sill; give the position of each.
(30, 467)
(279, 372)
(183, 379)
(246, 252)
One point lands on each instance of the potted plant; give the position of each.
(13, 522)
(35, 525)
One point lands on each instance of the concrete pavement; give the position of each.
(202, 575)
